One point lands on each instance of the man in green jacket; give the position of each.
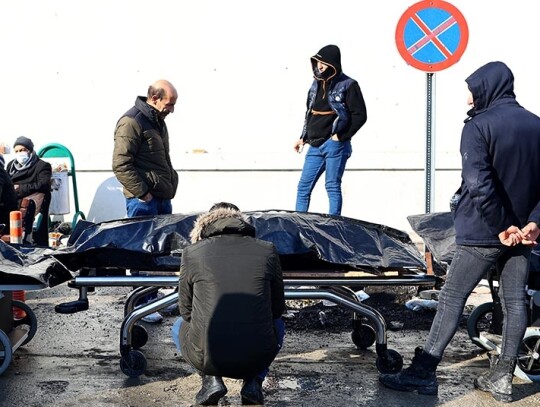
(141, 160)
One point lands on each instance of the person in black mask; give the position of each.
(335, 112)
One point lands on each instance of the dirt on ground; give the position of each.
(388, 302)
(73, 360)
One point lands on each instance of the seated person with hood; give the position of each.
(30, 174)
(231, 298)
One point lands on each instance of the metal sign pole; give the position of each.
(431, 35)
(430, 141)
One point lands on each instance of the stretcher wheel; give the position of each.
(139, 336)
(30, 319)
(133, 364)
(391, 363)
(528, 363)
(363, 336)
(6, 351)
(480, 320)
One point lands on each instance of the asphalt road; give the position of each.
(73, 360)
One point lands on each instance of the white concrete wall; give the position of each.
(70, 68)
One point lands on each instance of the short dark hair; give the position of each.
(153, 91)
(224, 205)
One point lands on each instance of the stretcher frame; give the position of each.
(330, 286)
(20, 332)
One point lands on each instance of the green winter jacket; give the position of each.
(141, 160)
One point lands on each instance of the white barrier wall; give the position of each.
(385, 197)
(71, 68)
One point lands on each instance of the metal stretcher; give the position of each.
(15, 333)
(322, 257)
(368, 324)
(22, 268)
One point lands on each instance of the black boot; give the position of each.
(498, 381)
(252, 392)
(212, 390)
(419, 376)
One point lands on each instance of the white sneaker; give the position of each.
(153, 318)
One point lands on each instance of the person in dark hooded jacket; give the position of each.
(31, 174)
(335, 112)
(496, 220)
(231, 298)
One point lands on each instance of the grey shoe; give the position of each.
(212, 390)
(419, 376)
(153, 318)
(498, 381)
(251, 392)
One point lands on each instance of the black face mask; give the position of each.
(324, 75)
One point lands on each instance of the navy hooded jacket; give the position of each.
(332, 92)
(500, 151)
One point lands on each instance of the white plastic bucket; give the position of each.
(59, 194)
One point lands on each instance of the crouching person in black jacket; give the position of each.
(231, 300)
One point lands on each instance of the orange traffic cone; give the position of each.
(20, 296)
(15, 227)
(16, 236)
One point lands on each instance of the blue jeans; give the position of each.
(331, 157)
(469, 265)
(279, 325)
(157, 206)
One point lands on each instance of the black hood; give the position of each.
(331, 56)
(488, 84)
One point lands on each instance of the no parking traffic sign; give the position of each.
(432, 35)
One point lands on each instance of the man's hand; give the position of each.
(147, 198)
(335, 137)
(298, 145)
(511, 236)
(529, 234)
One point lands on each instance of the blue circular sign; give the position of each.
(432, 35)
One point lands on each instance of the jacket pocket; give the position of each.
(487, 252)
